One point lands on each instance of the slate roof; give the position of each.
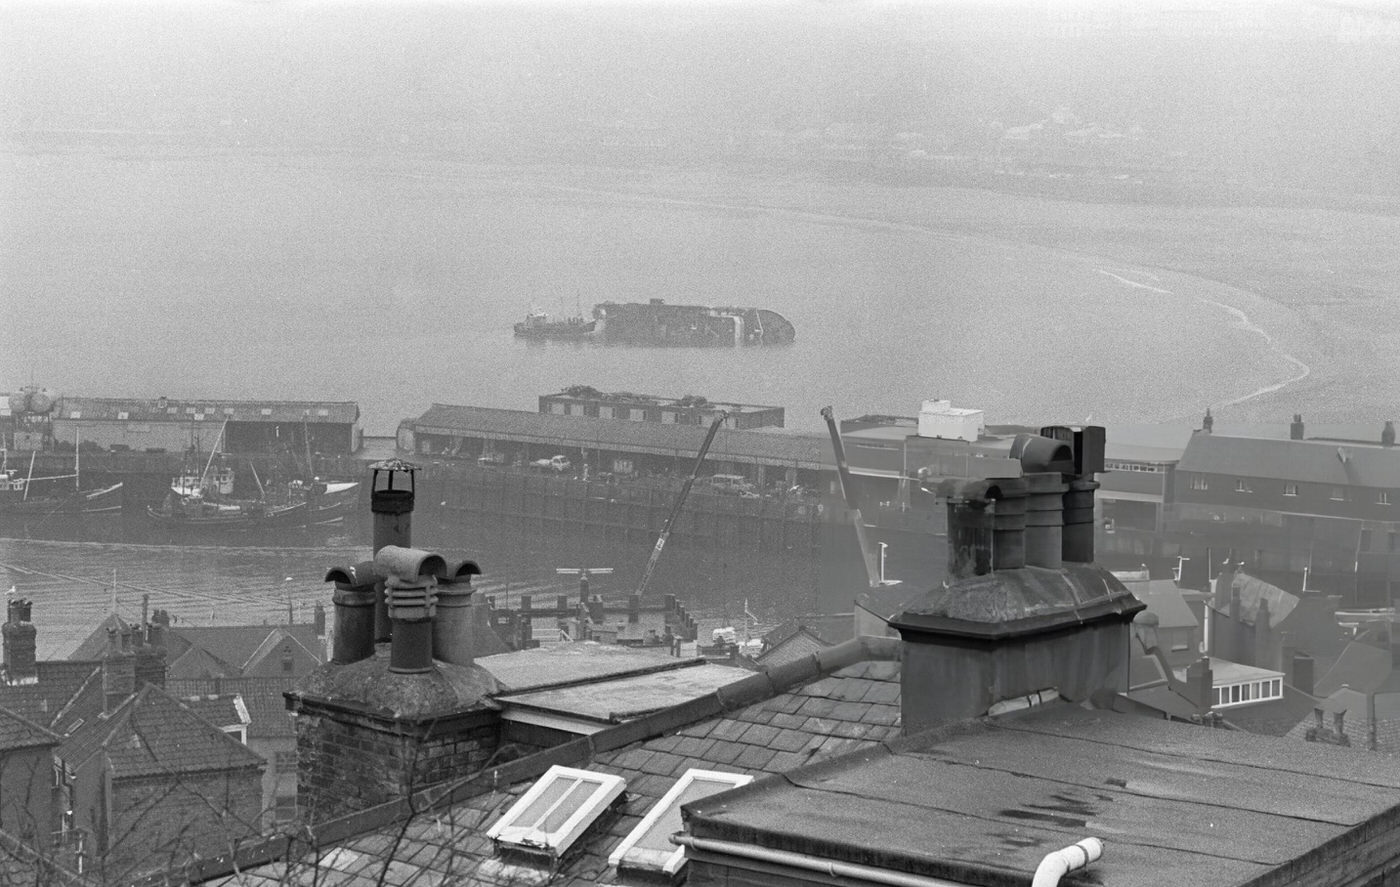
(151, 734)
(799, 450)
(262, 697)
(17, 732)
(1165, 601)
(844, 699)
(1361, 667)
(1252, 591)
(41, 702)
(1356, 722)
(150, 410)
(983, 801)
(799, 644)
(1276, 717)
(240, 647)
(223, 710)
(1305, 461)
(95, 646)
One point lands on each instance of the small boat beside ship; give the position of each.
(656, 323)
(539, 325)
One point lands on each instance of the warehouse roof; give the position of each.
(799, 450)
(119, 409)
(1308, 461)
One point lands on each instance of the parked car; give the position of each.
(554, 463)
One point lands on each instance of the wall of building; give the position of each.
(347, 762)
(26, 794)
(186, 810)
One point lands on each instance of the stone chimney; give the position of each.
(150, 653)
(1388, 434)
(118, 669)
(1016, 627)
(1295, 430)
(1207, 422)
(20, 644)
(376, 723)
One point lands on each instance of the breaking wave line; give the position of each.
(1243, 322)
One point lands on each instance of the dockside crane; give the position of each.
(873, 573)
(679, 503)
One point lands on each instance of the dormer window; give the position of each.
(555, 812)
(648, 847)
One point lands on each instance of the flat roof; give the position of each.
(630, 696)
(773, 445)
(211, 410)
(1223, 672)
(574, 663)
(984, 801)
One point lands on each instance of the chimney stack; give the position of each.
(20, 644)
(318, 620)
(412, 603)
(392, 507)
(969, 530)
(1044, 462)
(453, 632)
(1009, 524)
(1388, 434)
(1207, 422)
(1295, 430)
(356, 593)
(118, 669)
(1303, 673)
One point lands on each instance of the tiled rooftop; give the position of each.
(267, 708)
(153, 734)
(854, 707)
(17, 732)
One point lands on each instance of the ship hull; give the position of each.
(656, 323)
(102, 501)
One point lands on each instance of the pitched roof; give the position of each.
(17, 732)
(240, 647)
(152, 733)
(95, 646)
(1275, 717)
(1305, 461)
(845, 698)
(221, 710)
(59, 680)
(262, 698)
(213, 411)
(1361, 667)
(1164, 600)
(801, 643)
(799, 450)
(1252, 591)
(1356, 721)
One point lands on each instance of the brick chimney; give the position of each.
(118, 669)
(1017, 627)
(1388, 434)
(1296, 428)
(20, 644)
(376, 723)
(1207, 422)
(150, 653)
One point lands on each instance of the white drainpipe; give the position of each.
(1072, 858)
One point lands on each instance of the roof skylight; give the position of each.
(648, 846)
(556, 810)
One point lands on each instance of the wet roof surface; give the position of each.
(629, 696)
(1174, 803)
(570, 663)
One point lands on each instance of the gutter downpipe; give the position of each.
(828, 867)
(1068, 859)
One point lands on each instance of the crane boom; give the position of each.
(843, 477)
(680, 501)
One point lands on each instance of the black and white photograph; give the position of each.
(699, 443)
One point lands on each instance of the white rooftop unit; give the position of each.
(939, 418)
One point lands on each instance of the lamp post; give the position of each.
(883, 546)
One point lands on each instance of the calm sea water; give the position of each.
(395, 285)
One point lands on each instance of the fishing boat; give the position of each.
(539, 325)
(31, 496)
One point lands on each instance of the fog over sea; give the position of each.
(395, 284)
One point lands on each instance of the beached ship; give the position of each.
(539, 325)
(694, 326)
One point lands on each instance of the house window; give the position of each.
(1339, 494)
(265, 411)
(1241, 486)
(323, 412)
(76, 414)
(556, 810)
(228, 411)
(648, 846)
(1383, 497)
(606, 413)
(284, 761)
(668, 416)
(1198, 482)
(1290, 489)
